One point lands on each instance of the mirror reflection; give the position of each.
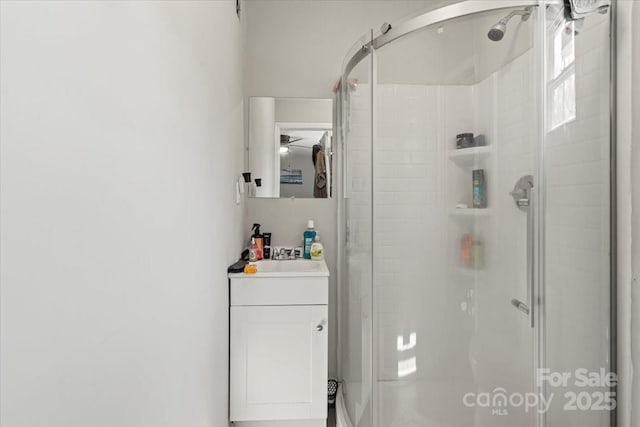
(290, 147)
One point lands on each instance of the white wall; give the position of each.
(624, 139)
(290, 110)
(628, 216)
(628, 213)
(297, 47)
(635, 221)
(121, 140)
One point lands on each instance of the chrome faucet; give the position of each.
(284, 254)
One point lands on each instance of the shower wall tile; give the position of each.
(415, 239)
(501, 345)
(408, 214)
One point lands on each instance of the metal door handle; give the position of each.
(320, 328)
(523, 196)
(520, 306)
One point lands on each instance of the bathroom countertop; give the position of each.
(297, 268)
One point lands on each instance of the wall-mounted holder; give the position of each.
(240, 183)
(243, 179)
(239, 192)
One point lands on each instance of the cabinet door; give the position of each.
(278, 362)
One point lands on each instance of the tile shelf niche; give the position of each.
(468, 220)
(470, 157)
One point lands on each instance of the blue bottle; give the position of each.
(479, 189)
(309, 237)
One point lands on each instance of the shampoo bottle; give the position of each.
(479, 189)
(476, 254)
(317, 251)
(309, 237)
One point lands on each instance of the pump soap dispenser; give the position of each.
(253, 251)
(317, 251)
(259, 239)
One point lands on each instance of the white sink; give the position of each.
(288, 268)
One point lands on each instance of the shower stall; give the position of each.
(476, 231)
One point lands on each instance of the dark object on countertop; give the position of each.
(244, 256)
(238, 267)
(267, 245)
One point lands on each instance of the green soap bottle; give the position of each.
(317, 250)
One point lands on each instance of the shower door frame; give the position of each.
(471, 7)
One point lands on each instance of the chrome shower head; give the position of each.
(496, 33)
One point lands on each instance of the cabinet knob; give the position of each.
(320, 328)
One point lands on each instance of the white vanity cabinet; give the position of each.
(279, 345)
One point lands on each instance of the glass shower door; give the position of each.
(477, 283)
(356, 240)
(454, 132)
(576, 218)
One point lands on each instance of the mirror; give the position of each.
(290, 147)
